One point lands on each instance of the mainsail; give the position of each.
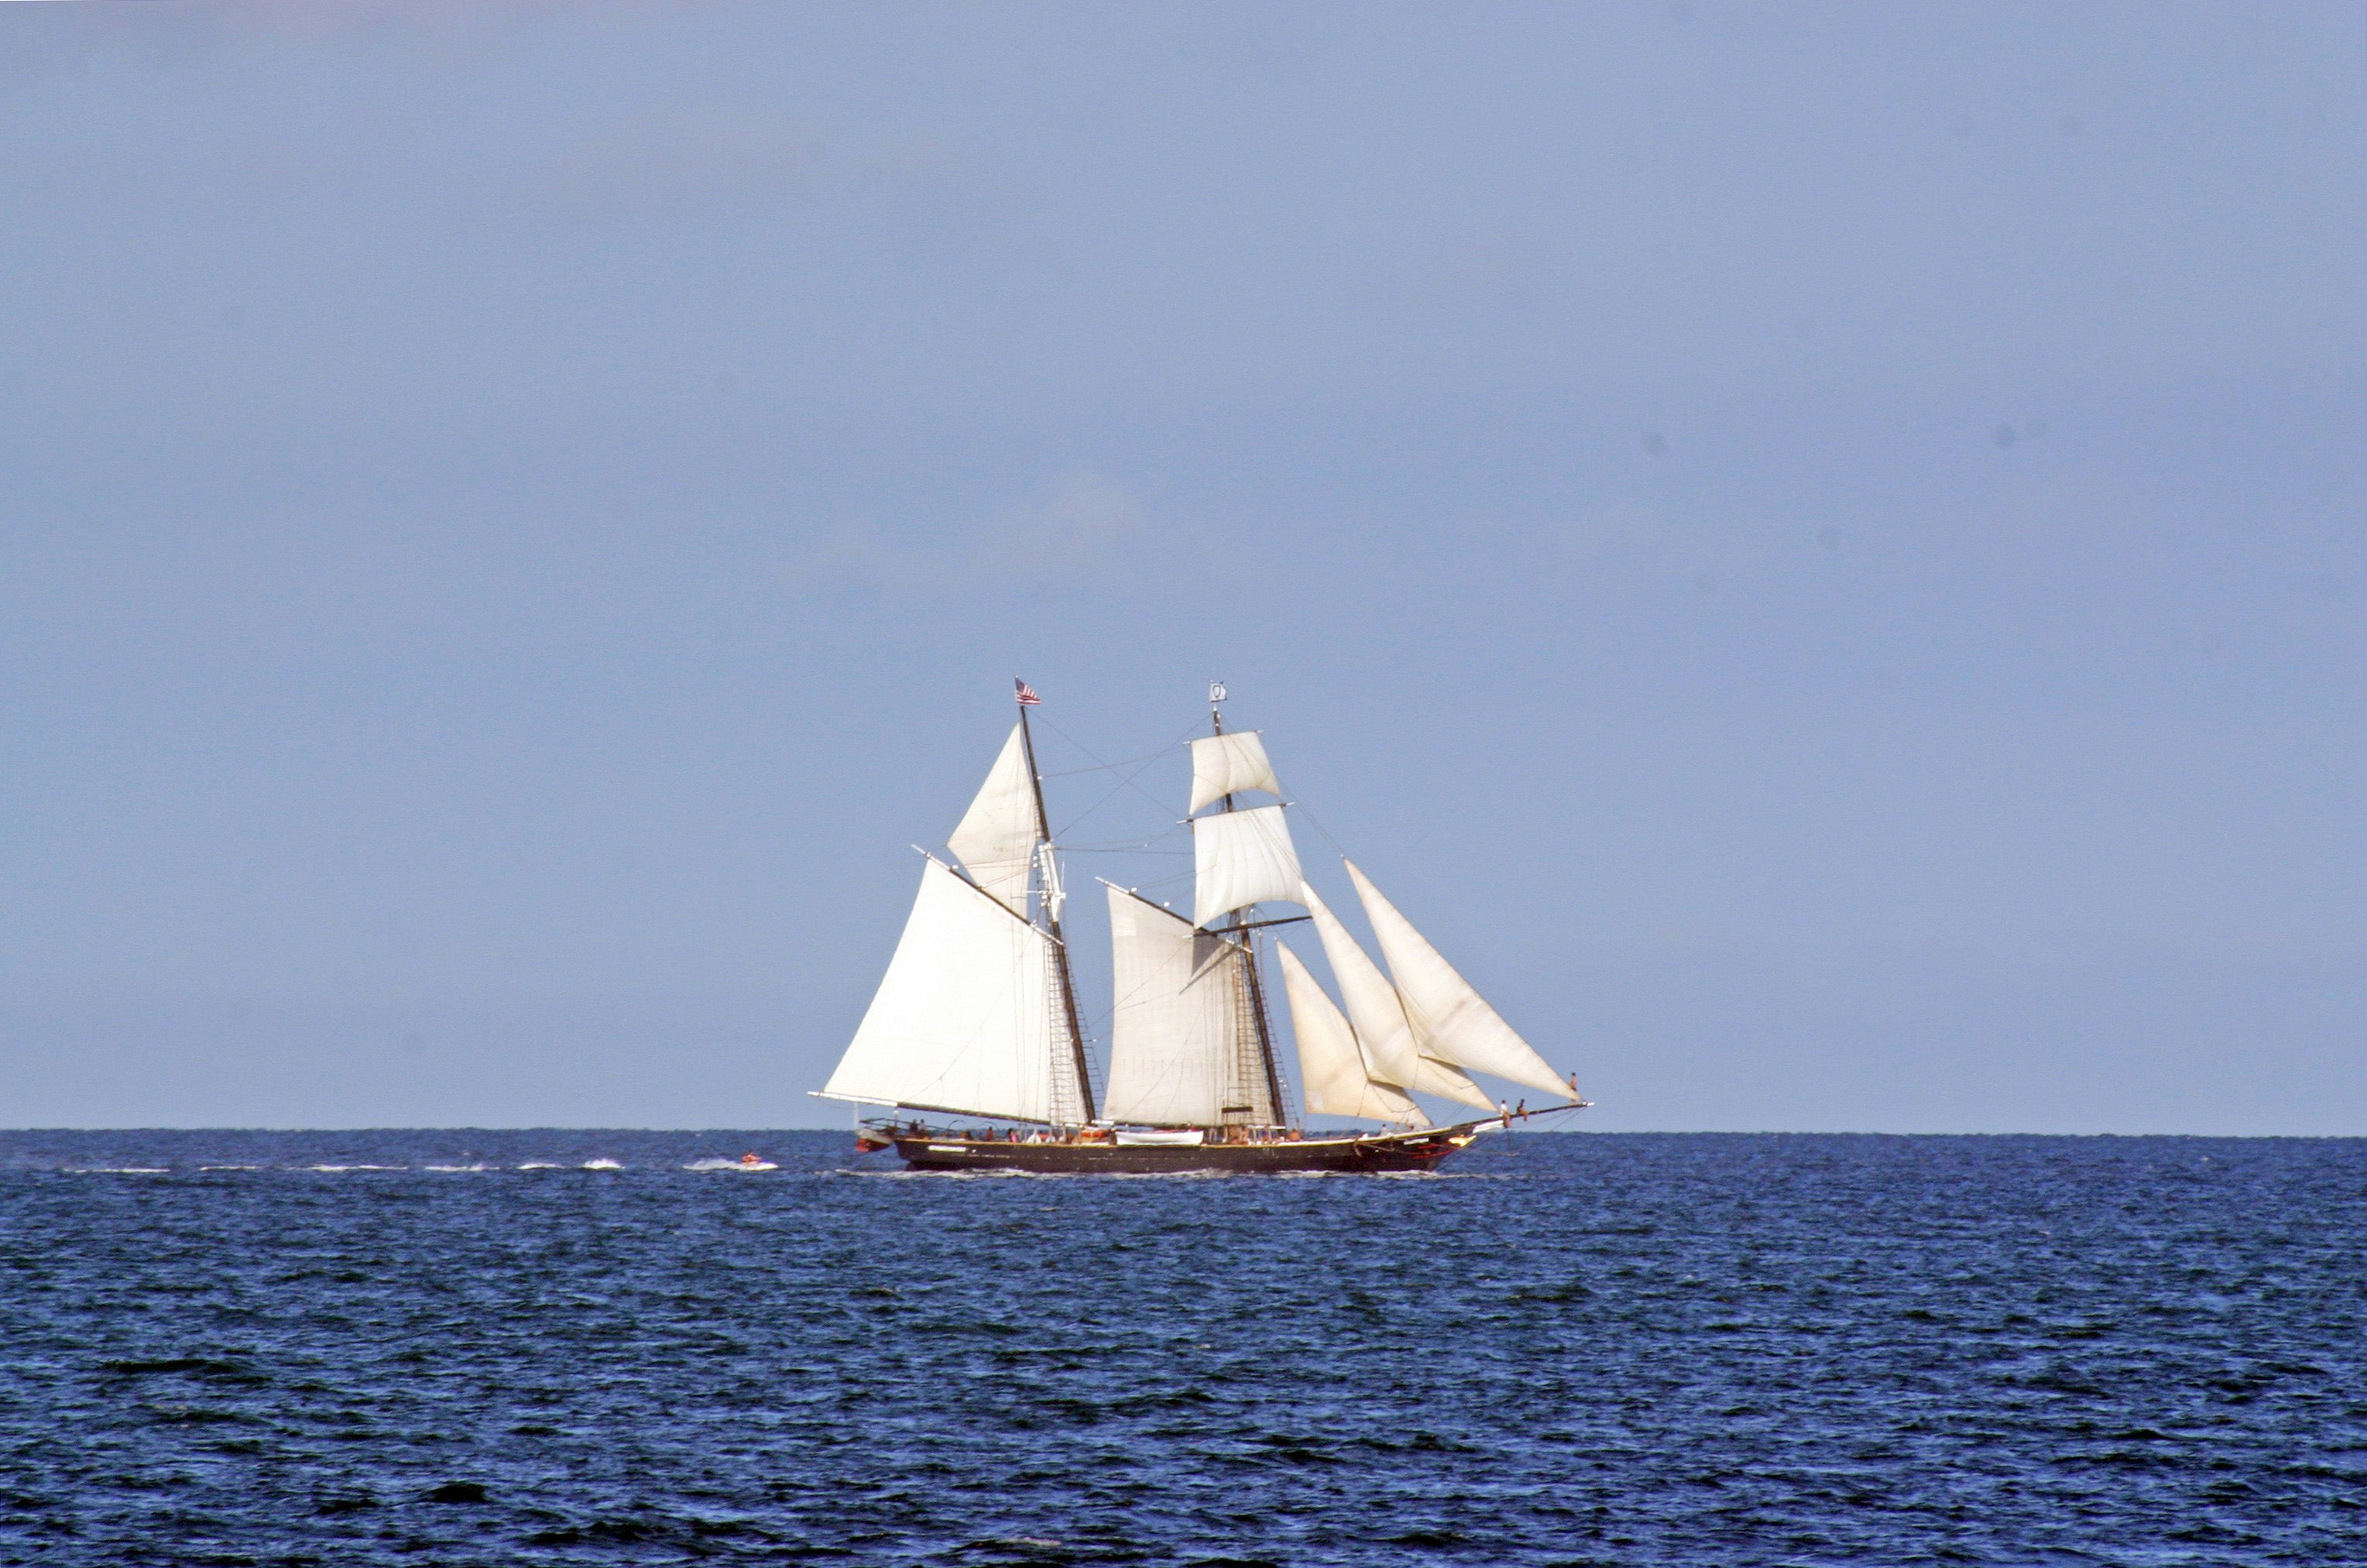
(995, 840)
(1380, 1017)
(1181, 1050)
(1333, 1074)
(1242, 858)
(1225, 765)
(966, 1017)
(1450, 1021)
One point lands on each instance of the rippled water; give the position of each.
(1678, 1349)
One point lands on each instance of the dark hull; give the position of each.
(1393, 1151)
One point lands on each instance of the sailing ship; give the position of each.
(977, 1015)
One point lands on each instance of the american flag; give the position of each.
(1027, 698)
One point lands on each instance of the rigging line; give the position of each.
(1314, 822)
(1102, 766)
(1129, 781)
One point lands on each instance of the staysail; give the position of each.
(1176, 1027)
(1332, 1071)
(1450, 1021)
(1226, 764)
(1242, 858)
(1380, 1017)
(995, 840)
(965, 1018)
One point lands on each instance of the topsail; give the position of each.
(1227, 764)
(1242, 858)
(995, 840)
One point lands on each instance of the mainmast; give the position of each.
(1243, 933)
(1048, 871)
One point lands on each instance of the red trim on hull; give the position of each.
(1396, 1152)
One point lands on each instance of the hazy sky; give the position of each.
(1815, 550)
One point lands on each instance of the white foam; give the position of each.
(119, 1170)
(342, 1168)
(602, 1165)
(538, 1165)
(448, 1168)
(731, 1166)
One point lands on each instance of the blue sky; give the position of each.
(1816, 550)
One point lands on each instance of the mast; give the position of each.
(1068, 985)
(1247, 939)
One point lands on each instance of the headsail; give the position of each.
(1242, 858)
(995, 841)
(1379, 1016)
(1450, 1021)
(1332, 1071)
(1176, 1027)
(965, 1018)
(1226, 764)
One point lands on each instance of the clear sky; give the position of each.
(1815, 550)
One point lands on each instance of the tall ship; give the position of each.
(977, 1018)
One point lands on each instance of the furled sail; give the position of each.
(1240, 857)
(1174, 1030)
(1380, 1017)
(1226, 764)
(1450, 1021)
(1330, 1069)
(963, 1019)
(995, 841)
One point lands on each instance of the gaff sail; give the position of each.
(1175, 1024)
(964, 1018)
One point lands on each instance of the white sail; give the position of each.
(1331, 1072)
(1173, 1030)
(1380, 1019)
(1450, 1021)
(995, 840)
(1226, 764)
(963, 1018)
(1240, 857)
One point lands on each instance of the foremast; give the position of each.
(1256, 1043)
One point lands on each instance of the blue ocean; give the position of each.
(468, 1348)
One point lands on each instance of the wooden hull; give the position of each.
(1381, 1152)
